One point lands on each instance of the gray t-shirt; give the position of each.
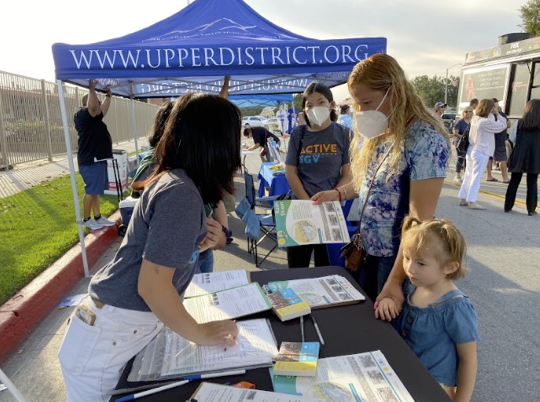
(322, 155)
(167, 227)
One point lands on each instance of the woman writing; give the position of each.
(525, 158)
(481, 148)
(403, 158)
(141, 290)
(317, 160)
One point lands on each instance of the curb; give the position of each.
(21, 314)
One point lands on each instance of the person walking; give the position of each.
(94, 146)
(461, 146)
(481, 147)
(525, 158)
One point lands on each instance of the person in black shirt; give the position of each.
(260, 137)
(95, 144)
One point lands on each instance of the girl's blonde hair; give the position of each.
(382, 72)
(416, 235)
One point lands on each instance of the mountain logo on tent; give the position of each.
(218, 27)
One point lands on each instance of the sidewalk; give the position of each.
(26, 175)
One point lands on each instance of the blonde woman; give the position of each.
(392, 119)
(481, 148)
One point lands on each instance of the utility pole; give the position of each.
(446, 82)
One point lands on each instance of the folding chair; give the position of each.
(266, 220)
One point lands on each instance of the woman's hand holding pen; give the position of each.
(218, 333)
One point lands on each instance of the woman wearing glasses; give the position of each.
(461, 147)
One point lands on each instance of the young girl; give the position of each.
(438, 321)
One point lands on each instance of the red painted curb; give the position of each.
(20, 314)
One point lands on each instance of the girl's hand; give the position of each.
(213, 234)
(386, 309)
(322, 196)
(218, 333)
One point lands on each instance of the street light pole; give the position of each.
(446, 82)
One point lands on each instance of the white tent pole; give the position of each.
(72, 175)
(11, 387)
(134, 124)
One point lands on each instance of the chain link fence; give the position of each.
(31, 124)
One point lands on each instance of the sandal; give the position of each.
(474, 205)
(492, 179)
(506, 181)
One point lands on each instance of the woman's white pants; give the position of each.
(476, 165)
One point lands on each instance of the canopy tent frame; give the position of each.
(283, 63)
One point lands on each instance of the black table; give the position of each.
(346, 330)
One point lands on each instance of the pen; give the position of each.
(151, 391)
(192, 377)
(302, 327)
(318, 330)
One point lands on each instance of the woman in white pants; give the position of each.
(486, 122)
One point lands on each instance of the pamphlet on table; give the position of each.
(212, 282)
(228, 304)
(209, 392)
(287, 304)
(297, 359)
(170, 355)
(300, 222)
(327, 291)
(359, 377)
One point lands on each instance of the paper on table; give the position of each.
(300, 222)
(321, 292)
(211, 282)
(228, 304)
(363, 376)
(208, 392)
(255, 347)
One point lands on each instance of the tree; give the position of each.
(530, 14)
(431, 90)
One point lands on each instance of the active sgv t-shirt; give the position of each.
(167, 227)
(321, 157)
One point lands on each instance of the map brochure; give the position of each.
(300, 222)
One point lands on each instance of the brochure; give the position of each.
(170, 355)
(288, 305)
(359, 377)
(327, 291)
(300, 222)
(212, 282)
(228, 304)
(209, 392)
(297, 359)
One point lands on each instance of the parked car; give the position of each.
(449, 120)
(253, 121)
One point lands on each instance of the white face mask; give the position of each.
(318, 114)
(372, 123)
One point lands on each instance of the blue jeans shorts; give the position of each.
(94, 177)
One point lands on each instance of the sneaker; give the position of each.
(458, 179)
(92, 224)
(104, 222)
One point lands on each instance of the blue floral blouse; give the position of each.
(425, 156)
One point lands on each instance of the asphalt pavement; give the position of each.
(503, 283)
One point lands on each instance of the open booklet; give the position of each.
(359, 377)
(211, 282)
(169, 355)
(300, 222)
(327, 291)
(228, 304)
(208, 392)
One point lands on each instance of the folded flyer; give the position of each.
(300, 222)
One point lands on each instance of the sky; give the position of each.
(425, 36)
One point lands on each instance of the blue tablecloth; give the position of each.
(277, 183)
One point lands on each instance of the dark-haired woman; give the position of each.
(141, 290)
(525, 158)
(317, 160)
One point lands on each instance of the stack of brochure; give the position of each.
(169, 355)
(288, 305)
(297, 359)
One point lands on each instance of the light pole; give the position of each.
(446, 82)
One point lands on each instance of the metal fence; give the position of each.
(31, 124)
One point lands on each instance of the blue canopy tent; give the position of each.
(192, 50)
